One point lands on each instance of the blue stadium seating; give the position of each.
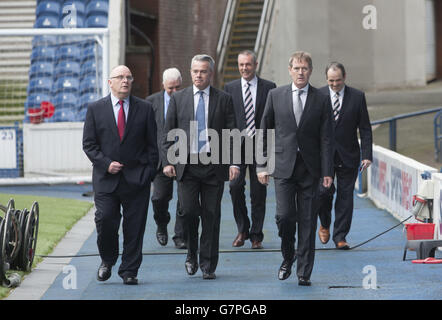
(41, 69)
(67, 68)
(66, 84)
(97, 7)
(48, 7)
(40, 85)
(46, 21)
(42, 53)
(77, 5)
(89, 67)
(89, 84)
(69, 51)
(96, 21)
(59, 62)
(66, 100)
(72, 22)
(34, 100)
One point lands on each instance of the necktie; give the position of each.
(121, 123)
(336, 107)
(201, 119)
(250, 112)
(298, 107)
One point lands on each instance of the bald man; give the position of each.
(119, 138)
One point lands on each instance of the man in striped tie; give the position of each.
(249, 94)
(350, 115)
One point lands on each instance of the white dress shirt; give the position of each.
(253, 89)
(116, 106)
(333, 94)
(304, 94)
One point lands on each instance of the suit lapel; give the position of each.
(345, 103)
(213, 101)
(289, 102)
(162, 108)
(133, 108)
(308, 102)
(110, 116)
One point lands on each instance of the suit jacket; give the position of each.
(353, 115)
(157, 100)
(313, 136)
(235, 90)
(137, 151)
(181, 112)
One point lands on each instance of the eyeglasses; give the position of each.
(120, 78)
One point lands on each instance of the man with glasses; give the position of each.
(119, 138)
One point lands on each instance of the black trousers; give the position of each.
(161, 195)
(258, 194)
(200, 193)
(107, 220)
(345, 182)
(294, 212)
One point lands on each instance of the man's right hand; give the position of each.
(169, 171)
(263, 178)
(115, 167)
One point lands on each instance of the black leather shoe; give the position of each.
(209, 276)
(104, 272)
(179, 243)
(162, 236)
(304, 282)
(285, 270)
(130, 280)
(191, 266)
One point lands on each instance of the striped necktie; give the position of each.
(250, 112)
(336, 106)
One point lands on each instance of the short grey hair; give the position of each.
(172, 74)
(205, 58)
(248, 53)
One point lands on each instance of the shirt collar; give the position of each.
(341, 92)
(305, 89)
(115, 100)
(206, 91)
(252, 82)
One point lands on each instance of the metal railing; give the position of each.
(438, 136)
(225, 33)
(393, 124)
(264, 25)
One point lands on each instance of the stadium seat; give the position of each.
(48, 7)
(90, 51)
(41, 69)
(89, 84)
(71, 5)
(71, 22)
(99, 7)
(66, 100)
(66, 84)
(63, 115)
(69, 51)
(89, 67)
(87, 98)
(34, 100)
(81, 115)
(44, 40)
(67, 68)
(96, 21)
(40, 85)
(46, 21)
(42, 53)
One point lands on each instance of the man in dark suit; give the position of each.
(200, 111)
(349, 114)
(119, 138)
(163, 185)
(249, 94)
(301, 118)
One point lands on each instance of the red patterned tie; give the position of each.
(121, 120)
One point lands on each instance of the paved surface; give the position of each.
(242, 274)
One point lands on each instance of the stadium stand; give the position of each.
(66, 70)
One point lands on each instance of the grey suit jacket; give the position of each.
(157, 100)
(313, 137)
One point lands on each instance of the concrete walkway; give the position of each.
(242, 274)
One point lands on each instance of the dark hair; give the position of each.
(335, 65)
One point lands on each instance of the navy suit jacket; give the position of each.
(137, 151)
(352, 116)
